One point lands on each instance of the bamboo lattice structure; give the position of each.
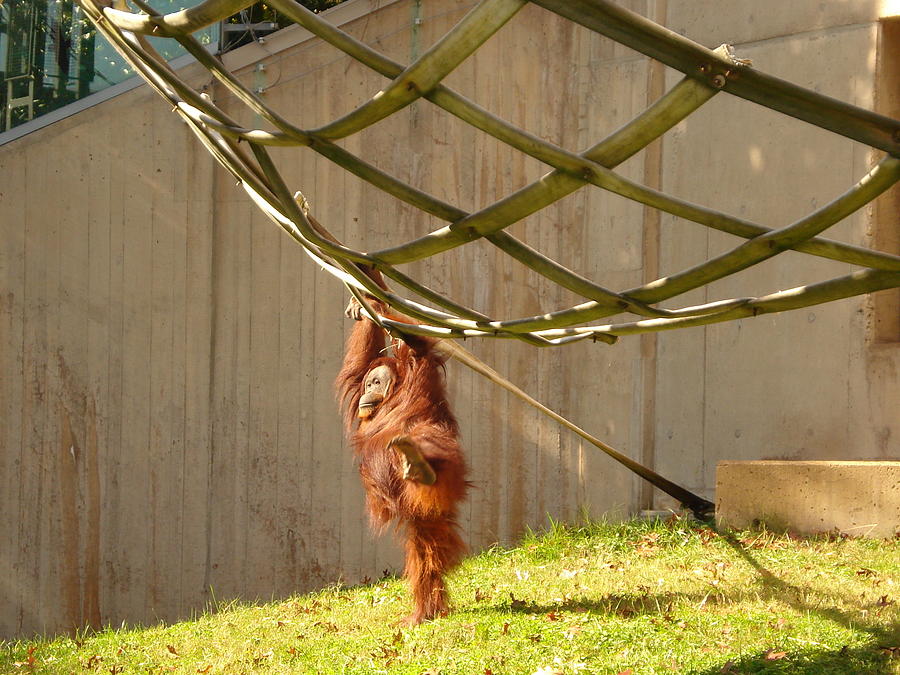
(706, 73)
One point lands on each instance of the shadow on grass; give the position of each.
(881, 656)
(776, 587)
(613, 604)
(877, 658)
(859, 661)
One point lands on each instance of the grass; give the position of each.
(632, 598)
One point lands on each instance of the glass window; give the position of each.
(51, 55)
(258, 20)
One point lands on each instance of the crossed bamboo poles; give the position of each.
(706, 73)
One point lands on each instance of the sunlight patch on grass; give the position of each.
(635, 597)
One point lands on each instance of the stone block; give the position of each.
(855, 498)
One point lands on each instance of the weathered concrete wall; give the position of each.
(168, 424)
(105, 323)
(803, 385)
(857, 499)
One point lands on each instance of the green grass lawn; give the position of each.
(630, 598)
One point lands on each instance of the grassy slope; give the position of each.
(629, 598)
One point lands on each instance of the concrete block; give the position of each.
(859, 498)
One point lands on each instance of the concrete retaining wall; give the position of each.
(859, 499)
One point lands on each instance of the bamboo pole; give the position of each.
(879, 179)
(701, 508)
(262, 181)
(614, 149)
(234, 84)
(752, 252)
(292, 215)
(182, 22)
(544, 151)
(422, 76)
(696, 61)
(677, 104)
(839, 288)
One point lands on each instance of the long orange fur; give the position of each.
(417, 407)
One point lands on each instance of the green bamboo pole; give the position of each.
(674, 106)
(291, 213)
(338, 155)
(182, 22)
(472, 114)
(215, 66)
(856, 283)
(554, 155)
(237, 132)
(879, 179)
(157, 73)
(286, 214)
(637, 130)
(159, 76)
(696, 61)
(701, 508)
(363, 169)
(621, 145)
(285, 222)
(750, 253)
(610, 301)
(204, 117)
(422, 76)
(426, 330)
(592, 167)
(609, 153)
(151, 60)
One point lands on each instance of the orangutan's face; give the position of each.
(376, 388)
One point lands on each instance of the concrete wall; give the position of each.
(166, 412)
(855, 499)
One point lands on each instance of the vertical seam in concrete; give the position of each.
(650, 263)
(91, 601)
(19, 593)
(415, 38)
(185, 380)
(211, 376)
(150, 542)
(882, 308)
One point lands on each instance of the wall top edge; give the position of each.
(347, 11)
(277, 42)
(868, 463)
